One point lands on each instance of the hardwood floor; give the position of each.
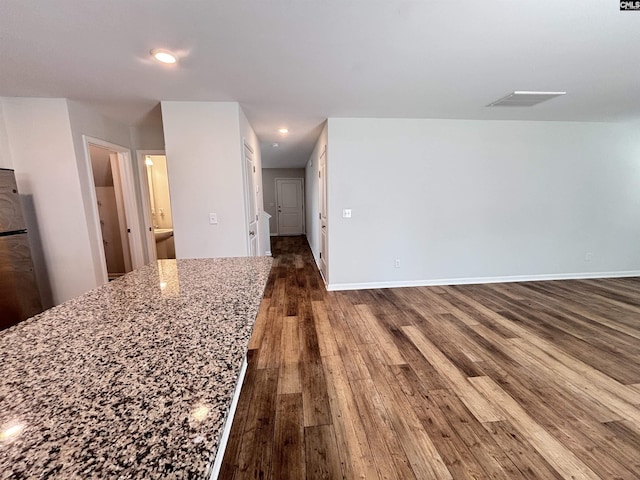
(514, 381)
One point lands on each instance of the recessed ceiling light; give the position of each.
(283, 130)
(164, 56)
(275, 145)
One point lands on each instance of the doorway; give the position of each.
(289, 200)
(117, 245)
(158, 219)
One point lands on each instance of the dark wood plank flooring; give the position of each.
(513, 381)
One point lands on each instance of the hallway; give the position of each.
(521, 380)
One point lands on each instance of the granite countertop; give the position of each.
(131, 380)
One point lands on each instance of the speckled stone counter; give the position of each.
(132, 380)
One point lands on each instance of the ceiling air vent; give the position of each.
(525, 99)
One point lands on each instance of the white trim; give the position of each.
(317, 260)
(250, 195)
(224, 438)
(150, 241)
(99, 263)
(326, 285)
(476, 280)
(246, 144)
(323, 208)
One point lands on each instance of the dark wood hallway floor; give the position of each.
(527, 380)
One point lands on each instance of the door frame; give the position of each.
(303, 217)
(143, 185)
(323, 209)
(130, 205)
(250, 196)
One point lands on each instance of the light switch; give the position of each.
(213, 218)
(346, 213)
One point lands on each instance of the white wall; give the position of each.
(147, 133)
(465, 201)
(85, 121)
(5, 153)
(204, 159)
(269, 176)
(41, 143)
(147, 136)
(312, 205)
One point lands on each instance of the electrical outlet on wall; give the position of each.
(588, 256)
(397, 263)
(346, 213)
(213, 218)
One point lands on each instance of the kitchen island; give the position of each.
(131, 380)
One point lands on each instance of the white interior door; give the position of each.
(132, 214)
(290, 206)
(122, 219)
(251, 201)
(322, 190)
(127, 210)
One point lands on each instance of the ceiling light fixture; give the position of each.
(525, 99)
(164, 56)
(275, 145)
(148, 162)
(283, 130)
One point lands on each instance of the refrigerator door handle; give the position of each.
(13, 232)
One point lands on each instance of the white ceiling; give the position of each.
(296, 62)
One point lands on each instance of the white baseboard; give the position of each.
(476, 280)
(226, 431)
(326, 285)
(317, 260)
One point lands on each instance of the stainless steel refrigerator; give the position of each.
(19, 295)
